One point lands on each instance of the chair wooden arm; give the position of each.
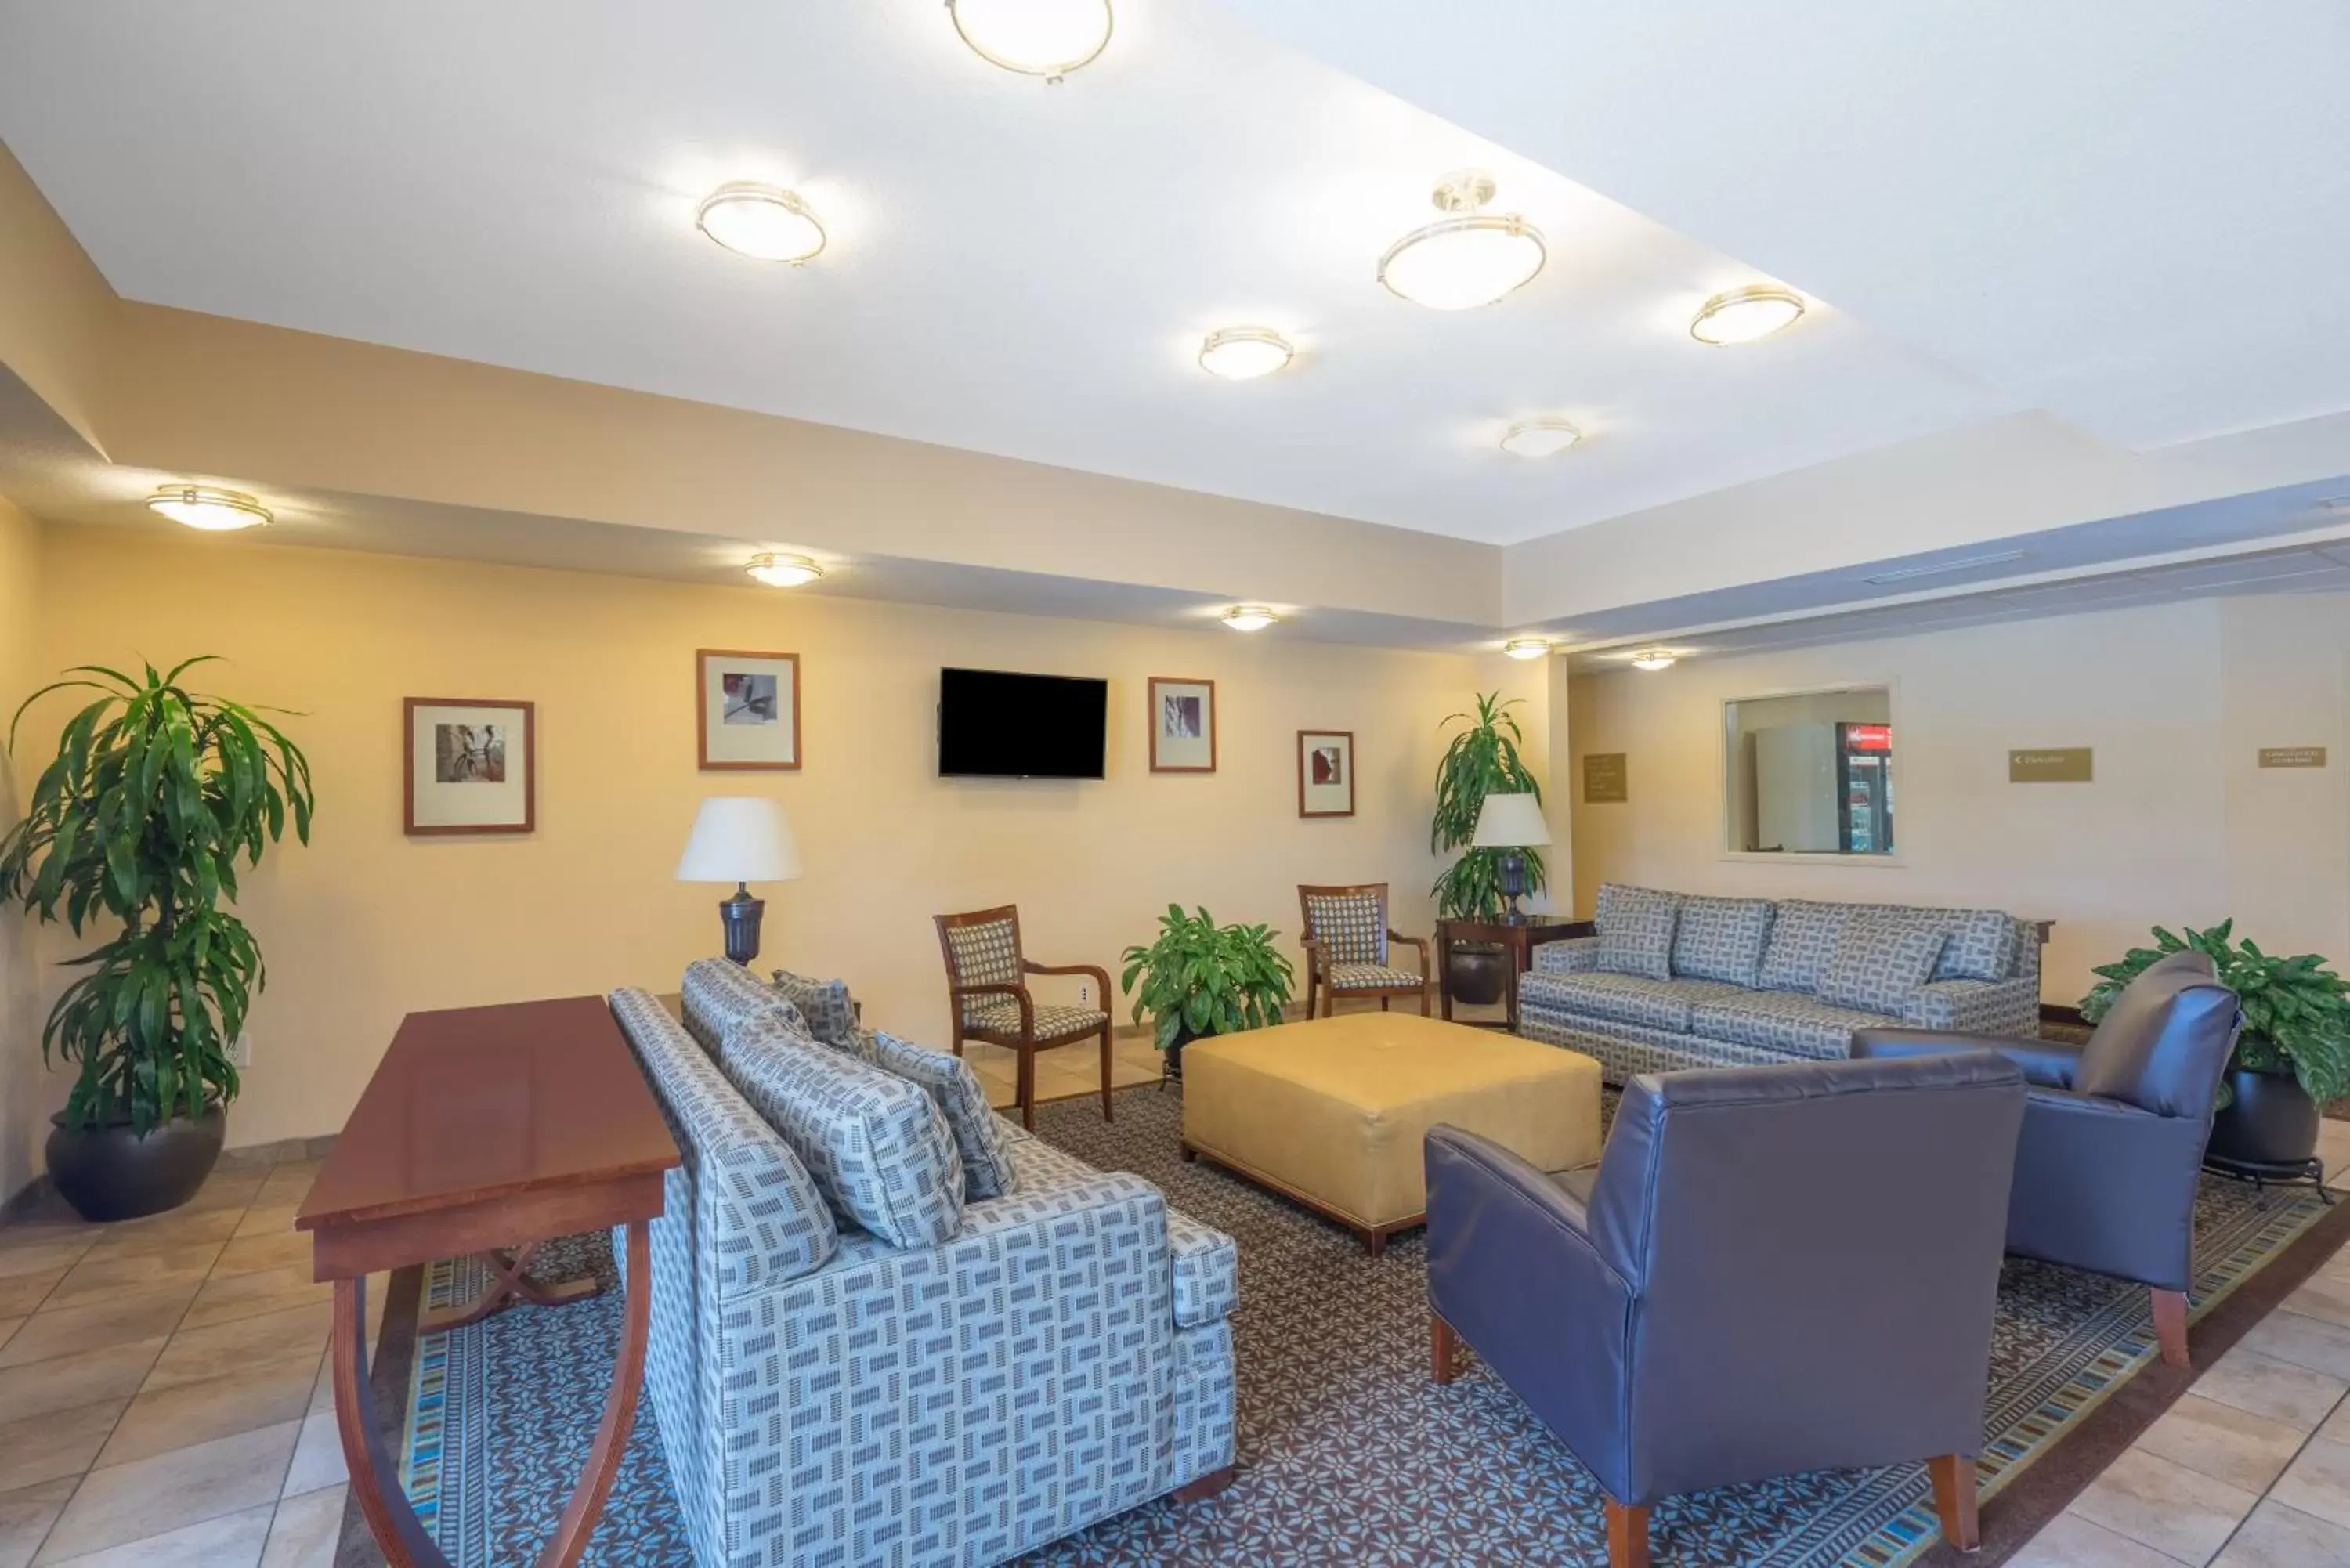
(1101, 977)
(1313, 961)
(1419, 942)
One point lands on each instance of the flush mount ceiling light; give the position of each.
(213, 511)
(783, 571)
(1654, 659)
(1526, 646)
(1249, 618)
(1046, 38)
(1244, 353)
(766, 222)
(1468, 260)
(1745, 315)
(1540, 438)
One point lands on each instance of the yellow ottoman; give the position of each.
(1332, 1111)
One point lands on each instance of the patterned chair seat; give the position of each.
(1625, 998)
(1053, 1022)
(1368, 977)
(1785, 1020)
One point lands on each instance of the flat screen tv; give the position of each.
(996, 724)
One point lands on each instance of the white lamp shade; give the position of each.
(1510, 822)
(739, 838)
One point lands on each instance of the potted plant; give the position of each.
(155, 795)
(1481, 760)
(1200, 978)
(2292, 1057)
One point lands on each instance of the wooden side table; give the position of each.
(1517, 943)
(487, 1130)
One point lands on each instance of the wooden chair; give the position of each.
(1345, 941)
(990, 1002)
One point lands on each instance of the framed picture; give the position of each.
(1326, 772)
(746, 710)
(472, 764)
(1182, 725)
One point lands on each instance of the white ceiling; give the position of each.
(1025, 269)
(2134, 213)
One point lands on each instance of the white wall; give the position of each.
(23, 1096)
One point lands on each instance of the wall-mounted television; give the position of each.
(996, 724)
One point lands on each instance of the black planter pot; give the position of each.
(2273, 1125)
(1476, 974)
(1174, 1052)
(111, 1173)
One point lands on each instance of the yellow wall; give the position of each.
(24, 1097)
(368, 924)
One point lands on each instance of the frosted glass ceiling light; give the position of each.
(1540, 438)
(1654, 659)
(764, 223)
(1526, 646)
(1468, 260)
(783, 571)
(1745, 315)
(1249, 618)
(213, 511)
(1046, 38)
(1244, 353)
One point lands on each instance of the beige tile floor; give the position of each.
(1066, 1070)
(163, 1393)
(2251, 1468)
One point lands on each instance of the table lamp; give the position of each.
(1512, 824)
(740, 839)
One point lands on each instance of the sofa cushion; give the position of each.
(1623, 998)
(766, 1221)
(1721, 939)
(718, 993)
(1636, 930)
(1783, 1021)
(824, 1005)
(1349, 928)
(986, 1157)
(1804, 937)
(1978, 944)
(1877, 964)
(878, 1146)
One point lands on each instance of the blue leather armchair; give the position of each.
(2111, 1151)
(1774, 1270)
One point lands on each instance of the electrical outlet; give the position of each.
(1085, 993)
(240, 1049)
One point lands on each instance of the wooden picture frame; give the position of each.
(1326, 772)
(463, 763)
(730, 731)
(1173, 750)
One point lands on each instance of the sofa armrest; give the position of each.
(1207, 1271)
(2009, 1008)
(2107, 1186)
(1571, 955)
(2046, 1064)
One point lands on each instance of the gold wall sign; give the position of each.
(2048, 765)
(2293, 756)
(1604, 780)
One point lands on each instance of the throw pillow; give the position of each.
(1804, 937)
(1636, 930)
(718, 993)
(1721, 939)
(978, 1136)
(825, 1006)
(1877, 964)
(878, 1146)
(1978, 944)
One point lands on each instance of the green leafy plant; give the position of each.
(1481, 760)
(2296, 1010)
(153, 796)
(1200, 978)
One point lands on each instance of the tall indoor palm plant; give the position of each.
(155, 795)
(1482, 759)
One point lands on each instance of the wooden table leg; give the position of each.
(510, 1281)
(375, 1480)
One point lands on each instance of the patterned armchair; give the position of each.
(1347, 948)
(990, 1000)
(1039, 1360)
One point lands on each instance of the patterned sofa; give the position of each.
(891, 1327)
(1672, 981)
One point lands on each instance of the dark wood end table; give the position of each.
(1517, 943)
(488, 1130)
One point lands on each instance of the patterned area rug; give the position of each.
(1347, 1452)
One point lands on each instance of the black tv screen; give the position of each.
(994, 724)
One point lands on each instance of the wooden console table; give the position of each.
(1517, 944)
(487, 1130)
